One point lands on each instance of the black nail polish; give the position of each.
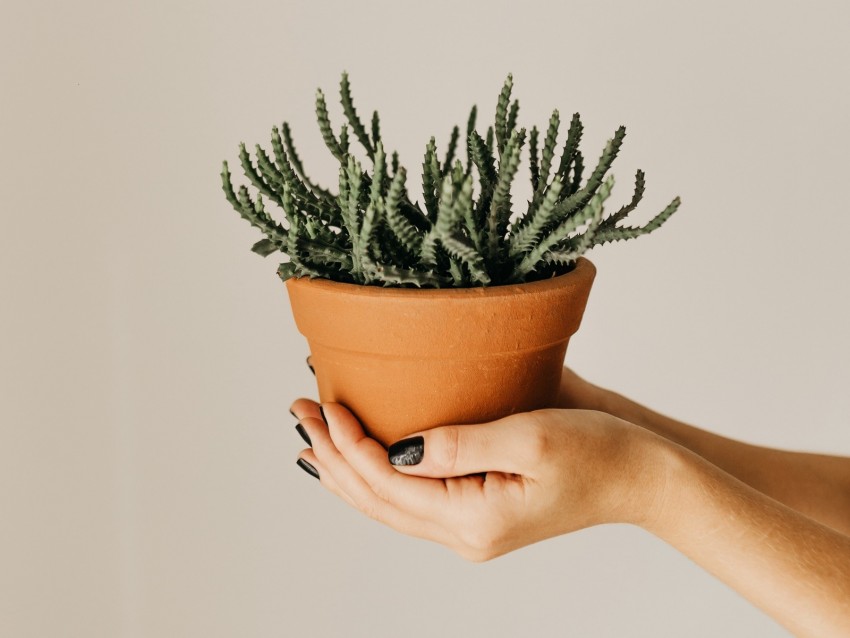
(304, 465)
(293, 413)
(407, 451)
(300, 429)
(322, 411)
(312, 369)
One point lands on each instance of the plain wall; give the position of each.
(148, 358)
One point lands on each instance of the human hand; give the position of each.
(575, 392)
(486, 489)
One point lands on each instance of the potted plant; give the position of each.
(455, 310)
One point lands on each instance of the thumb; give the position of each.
(504, 445)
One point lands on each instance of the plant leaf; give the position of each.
(590, 214)
(325, 127)
(501, 127)
(500, 206)
(533, 158)
(389, 275)
(640, 187)
(266, 247)
(353, 118)
(629, 232)
(523, 239)
(548, 152)
(430, 179)
(450, 151)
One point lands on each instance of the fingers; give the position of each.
(511, 445)
(325, 477)
(305, 408)
(471, 515)
(424, 498)
(341, 478)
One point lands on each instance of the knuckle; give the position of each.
(481, 539)
(359, 447)
(536, 442)
(445, 452)
(473, 555)
(381, 489)
(371, 508)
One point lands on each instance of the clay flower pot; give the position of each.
(404, 360)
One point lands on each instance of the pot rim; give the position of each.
(583, 268)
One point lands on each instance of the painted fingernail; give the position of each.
(312, 369)
(304, 465)
(322, 411)
(293, 413)
(407, 451)
(300, 429)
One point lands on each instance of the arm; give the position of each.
(550, 472)
(793, 568)
(816, 485)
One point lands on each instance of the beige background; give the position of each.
(147, 476)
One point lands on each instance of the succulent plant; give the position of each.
(370, 232)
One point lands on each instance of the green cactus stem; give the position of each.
(466, 232)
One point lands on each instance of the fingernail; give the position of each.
(300, 429)
(304, 465)
(407, 451)
(293, 413)
(322, 412)
(310, 366)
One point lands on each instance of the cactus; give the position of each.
(463, 235)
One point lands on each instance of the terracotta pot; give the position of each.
(404, 360)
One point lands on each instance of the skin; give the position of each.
(772, 525)
(816, 485)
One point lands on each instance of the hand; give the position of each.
(486, 489)
(577, 393)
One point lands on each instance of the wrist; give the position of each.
(655, 466)
(610, 402)
(594, 397)
(602, 399)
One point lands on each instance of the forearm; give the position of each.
(815, 485)
(795, 569)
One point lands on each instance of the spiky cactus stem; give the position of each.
(371, 233)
